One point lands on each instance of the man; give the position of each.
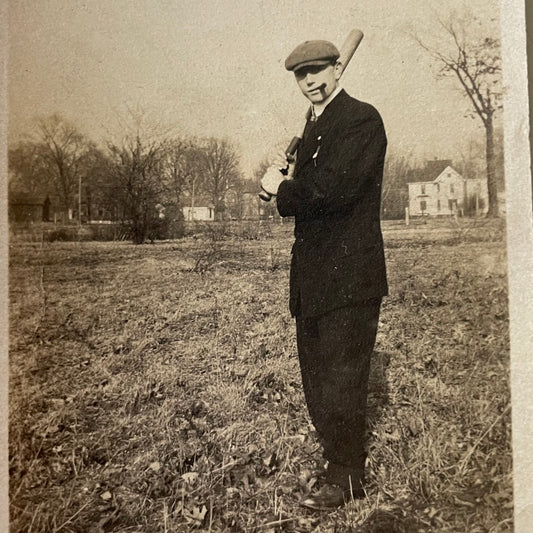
(337, 277)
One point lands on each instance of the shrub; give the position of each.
(73, 233)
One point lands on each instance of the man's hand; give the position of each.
(271, 180)
(279, 159)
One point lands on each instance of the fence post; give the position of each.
(407, 216)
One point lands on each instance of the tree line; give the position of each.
(142, 180)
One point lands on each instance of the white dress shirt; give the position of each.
(318, 109)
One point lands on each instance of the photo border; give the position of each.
(515, 15)
(518, 189)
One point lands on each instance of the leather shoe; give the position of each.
(330, 497)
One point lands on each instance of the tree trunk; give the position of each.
(218, 213)
(491, 170)
(63, 192)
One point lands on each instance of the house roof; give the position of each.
(449, 171)
(430, 172)
(436, 167)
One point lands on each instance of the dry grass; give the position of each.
(150, 395)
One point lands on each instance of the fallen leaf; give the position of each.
(106, 495)
(468, 500)
(155, 466)
(190, 477)
(199, 514)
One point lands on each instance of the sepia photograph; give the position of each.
(268, 266)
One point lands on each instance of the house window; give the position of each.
(423, 206)
(423, 188)
(438, 187)
(451, 188)
(438, 205)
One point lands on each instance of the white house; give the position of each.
(199, 213)
(203, 209)
(439, 190)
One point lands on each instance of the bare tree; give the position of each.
(62, 148)
(26, 172)
(476, 63)
(182, 169)
(220, 168)
(235, 200)
(94, 167)
(136, 184)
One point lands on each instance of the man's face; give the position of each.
(317, 82)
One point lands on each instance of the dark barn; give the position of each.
(24, 207)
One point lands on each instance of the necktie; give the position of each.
(310, 124)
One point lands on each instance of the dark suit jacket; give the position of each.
(337, 256)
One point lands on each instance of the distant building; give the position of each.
(203, 209)
(199, 213)
(240, 204)
(439, 190)
(30, 208)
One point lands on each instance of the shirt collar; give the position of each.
(318, 109)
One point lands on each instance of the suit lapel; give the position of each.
(320, 128)
(307, 144)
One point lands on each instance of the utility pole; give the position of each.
(79, 201)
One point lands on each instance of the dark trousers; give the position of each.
(334, 351)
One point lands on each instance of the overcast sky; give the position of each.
(216, 67)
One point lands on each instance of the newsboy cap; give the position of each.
(311, 53)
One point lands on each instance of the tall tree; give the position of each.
(182, 170)
(95, 192)
(474, 59)
(26, 172)
(62, 149)
(221, 172)
(50, 161)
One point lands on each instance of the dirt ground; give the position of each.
(156, 387)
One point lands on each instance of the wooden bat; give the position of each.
(347, 50)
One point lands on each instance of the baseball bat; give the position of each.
(346, 52)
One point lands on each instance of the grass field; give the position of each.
(156, 388)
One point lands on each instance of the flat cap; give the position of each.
(311, 53)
